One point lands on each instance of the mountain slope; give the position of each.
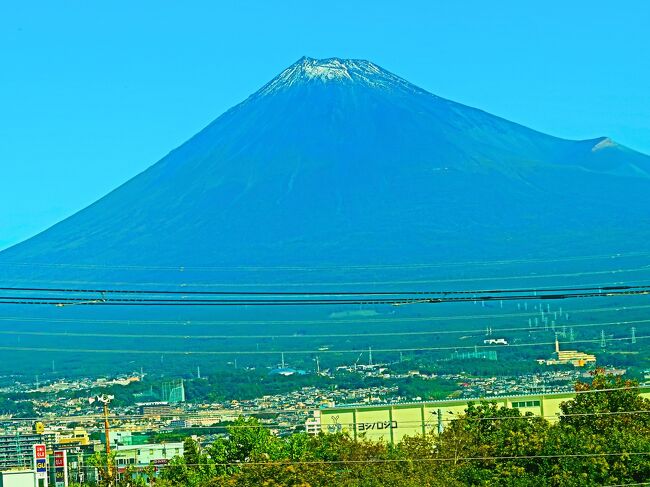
(340, 162)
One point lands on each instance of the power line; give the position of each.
(542, 289)
(627, 485)
(89, 418)
(103, 300)
(293, 352)
(290, 462)
(306, 336)
(182, 268)
(330, 322)
(230, 284)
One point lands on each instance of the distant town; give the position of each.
(148, 428)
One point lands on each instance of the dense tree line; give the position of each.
(602, 438)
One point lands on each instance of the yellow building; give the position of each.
(562, 357)
(79, 437)
(392, 422)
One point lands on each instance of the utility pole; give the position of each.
(107, 430)
(283, 360)
(198, 371)
(633, 340)
(369, 355)
(317, 364)
(603, 343)
(571, 335)
(106, 399)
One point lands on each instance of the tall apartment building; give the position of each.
(17, 450)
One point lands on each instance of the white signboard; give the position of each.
(40, 464)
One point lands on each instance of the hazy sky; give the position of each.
(91, 93)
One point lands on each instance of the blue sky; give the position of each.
(92, 93)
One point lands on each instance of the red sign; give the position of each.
(60, 469)
(59, 460)
(39, 451)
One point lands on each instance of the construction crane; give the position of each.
(357, 360)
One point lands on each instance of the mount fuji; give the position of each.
(339, 162)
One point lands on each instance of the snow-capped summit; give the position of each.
(307, 70)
